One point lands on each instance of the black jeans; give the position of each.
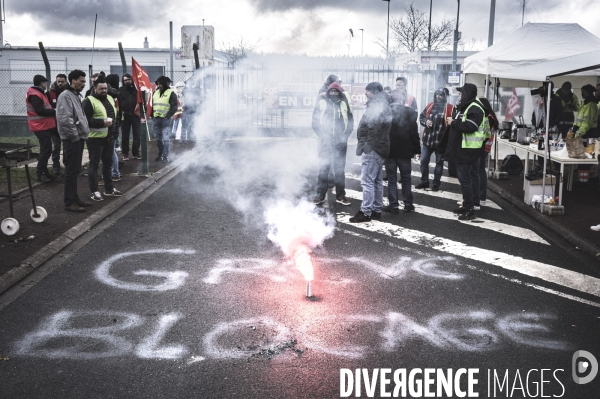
(332, 155)
(72, 154)
(45, 139)
(56, 150)
(468, 176)
(101, 150)
(128, 124)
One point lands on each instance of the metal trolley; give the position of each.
(12, 156)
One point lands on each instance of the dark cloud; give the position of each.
(77, 16)
(374, 6)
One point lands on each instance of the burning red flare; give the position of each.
(304, 264)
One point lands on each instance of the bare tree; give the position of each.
(237, 51)
(410, 33)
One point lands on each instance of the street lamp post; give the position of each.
(362, 40)
(429, 38)
(350, 45)
(387, 43)
(455, 49)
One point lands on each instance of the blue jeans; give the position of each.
(115, 166)
(483, 177)
(391, 167)
(468, 176)
(426, 153)
(162, 130)
(371, 180)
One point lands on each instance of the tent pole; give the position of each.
(487, 86)
(546, 141)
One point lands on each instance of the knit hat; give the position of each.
(38, 79)
(589, 88)
(374, 87)
(567, 86)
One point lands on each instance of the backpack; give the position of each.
(511, 164)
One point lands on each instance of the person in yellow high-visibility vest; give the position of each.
(164, 106)
(586, 121)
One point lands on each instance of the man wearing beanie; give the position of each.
(373, 146)
(587, 116)
(570, 104)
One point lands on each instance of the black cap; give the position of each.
(466, 86)
(38, 79)
(374, 87)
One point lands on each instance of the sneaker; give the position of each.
(360, 217)
(158, 158)
(96, 196)
(343, 201)
(595, 228)
(166, 159)
(422, 185)
(318, 200)
(84, 204)
(468, 216)
(125, 158)
(461, 210)
(389, 209)
(137, 156)
(85, 173)
(409, 208)
(57, 172)
(116, 178)
(435, 188)
(376, 216)
(118, 149)
(74, 208)
(476, 207)
(483, 202)
(114, 193)
(43, 179)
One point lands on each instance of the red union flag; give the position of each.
(142, 83)
(512, 106)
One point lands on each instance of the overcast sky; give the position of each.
(313, 27)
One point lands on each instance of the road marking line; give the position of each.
(552, 274)
(439, 194)
(498, 227)
(512, 280)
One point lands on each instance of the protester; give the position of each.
(41, 118)
(433, 119)
(570, 105)
(112, 81)
(56, 88)
(131, 122)
(538, 116)
(333, 123)
(487, 147)
(409, 99)
(73, 130)
(587, 115)
(101, 112)
(330, 79)
(404, 144)
(164, 106)
(468, 131)
(373, 146)
(94, 77)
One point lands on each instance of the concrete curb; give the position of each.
(581, 243)
(30, 264)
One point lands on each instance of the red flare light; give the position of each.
(304, 264)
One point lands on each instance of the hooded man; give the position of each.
(41, 118)
(570, 105)
(404, 144)
(373, 146)
(433, 119)
(469, 130)
(131, 122)
(164, 106)
(586, 122)
(333, 123)
(59, 85)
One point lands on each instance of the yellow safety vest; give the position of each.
(343, 109)
(587, 118)
(100, 113)
(475, 140)
(160, 104)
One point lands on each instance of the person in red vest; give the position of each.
(409, 99)
(41, 118)
(433, 119)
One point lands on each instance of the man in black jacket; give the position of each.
(465, 145)
(404, 144)
(131, 121)
(373, 146)
(101, 112)
(333, 123)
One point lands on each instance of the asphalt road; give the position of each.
(185, 296)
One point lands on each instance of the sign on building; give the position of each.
(453, 77)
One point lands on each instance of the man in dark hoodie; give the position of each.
(333, 123)
(373, 146)
(433, 119)
(404, 144)
(465, 145)
(570, 105)
(164, 106)
(131, 122)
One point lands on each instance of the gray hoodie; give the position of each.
(70, 119)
